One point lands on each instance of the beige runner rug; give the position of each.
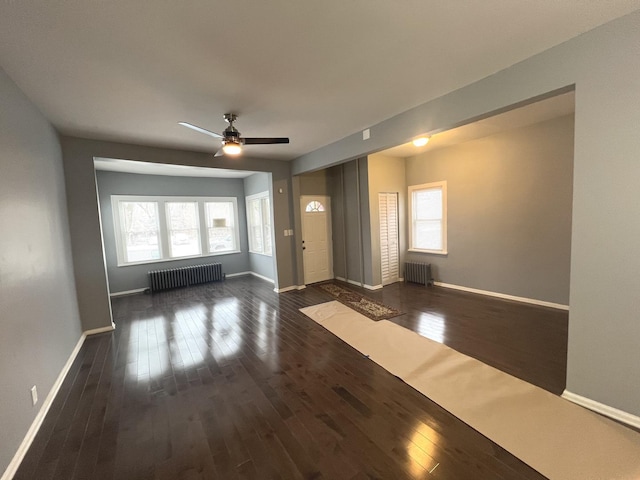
(554, 436)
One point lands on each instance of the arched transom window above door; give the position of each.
(314, 206)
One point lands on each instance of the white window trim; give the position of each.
(425, 186)
(163, 228)
(248, 200)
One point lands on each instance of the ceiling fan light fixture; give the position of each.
(421, 142)
(232, 148)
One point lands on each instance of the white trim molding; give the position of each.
(601, 408)
(95, 331)
(266, 279)
(504, 296)
(128, 292)
(372, 287)
(286, 289)
(13, 466)
(239, 274)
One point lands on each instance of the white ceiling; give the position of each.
(129, 70)
(541, 111)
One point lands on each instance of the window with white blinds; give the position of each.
(428, 213)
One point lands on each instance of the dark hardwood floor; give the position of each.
(230, 381)
(526, 341)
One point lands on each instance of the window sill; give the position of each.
(165, 260)
(442, 253)
(260, 253)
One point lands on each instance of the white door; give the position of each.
(316, 238)
(389, 253)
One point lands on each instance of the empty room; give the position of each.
(340, 240)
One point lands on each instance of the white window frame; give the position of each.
(163, 241)
(265, 215)
(162, 207)
(428, 186)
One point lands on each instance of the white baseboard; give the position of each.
(13, 466)
(239, 274)
(360, 284)
(243, 274)
(95, 331)
(267, 279)
(286, 289)
(532, 301)
(128, 292)
(601, 408)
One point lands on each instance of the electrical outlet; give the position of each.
(34, 394)
(366, 134)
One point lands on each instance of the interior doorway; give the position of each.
(316, 238)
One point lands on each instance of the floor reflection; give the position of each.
(430, 325)
(421, 450)
(225, 334)
(266, 336)
(185, 338)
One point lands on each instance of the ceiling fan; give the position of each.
(232, 142)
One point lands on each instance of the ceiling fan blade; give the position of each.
(264, 141)
(219, 153)
(200, 129)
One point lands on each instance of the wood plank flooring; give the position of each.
(230, 381)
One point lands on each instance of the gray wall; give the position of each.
(38, 306)
(386, 175)
(338, 226)
(258, 183)
(604, 66)
(133, 277)
(349, 193)
(314, 183)
(90, 270)
(509, 210)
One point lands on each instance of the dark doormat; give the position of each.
(364, 305)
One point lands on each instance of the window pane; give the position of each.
(220, 226)
(259, 222)
(314, 206)
(428, 234)
(140, 231)
(184, 232)
(266, 219)
(427, 204)
(267, 239)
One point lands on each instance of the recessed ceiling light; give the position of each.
(421, 142)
